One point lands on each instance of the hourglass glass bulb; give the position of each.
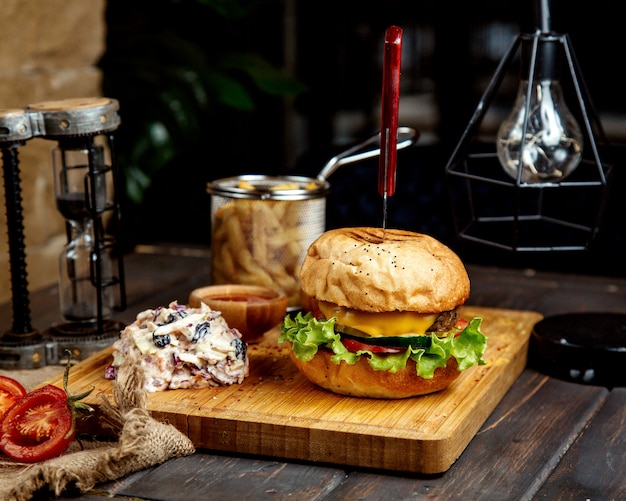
(84, 267)
(77, 291)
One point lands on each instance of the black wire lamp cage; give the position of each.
(540, 187)
(542, 184)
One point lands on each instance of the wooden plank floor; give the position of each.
(595, 458)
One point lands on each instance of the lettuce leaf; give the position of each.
(307, 334)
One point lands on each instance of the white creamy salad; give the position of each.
(179, 347)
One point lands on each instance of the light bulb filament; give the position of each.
(547, 142)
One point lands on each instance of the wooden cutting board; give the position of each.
(276, 412)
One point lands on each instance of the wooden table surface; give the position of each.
(547, 439)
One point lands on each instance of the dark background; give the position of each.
(450, 51)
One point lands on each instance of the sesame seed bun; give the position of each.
(404, 271)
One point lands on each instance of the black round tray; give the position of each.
(588, 348)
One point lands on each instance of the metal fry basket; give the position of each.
(261, 228)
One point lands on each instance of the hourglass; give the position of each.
(80, 185)
(91, 270)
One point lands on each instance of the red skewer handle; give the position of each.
(389, 112)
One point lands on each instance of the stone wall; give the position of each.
(48, 50)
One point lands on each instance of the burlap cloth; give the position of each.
(142, 442)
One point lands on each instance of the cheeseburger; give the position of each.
(380, 315)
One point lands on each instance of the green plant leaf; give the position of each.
(231, 92)
(136, 183)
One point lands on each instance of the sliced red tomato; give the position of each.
(10, 392)
(37, 427)
(354, 346)
(318, 315)
(42, 424)
(461, 323)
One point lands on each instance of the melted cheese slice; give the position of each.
(391, 323)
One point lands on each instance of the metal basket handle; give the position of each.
(407, 136)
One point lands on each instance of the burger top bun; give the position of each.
(407, 271)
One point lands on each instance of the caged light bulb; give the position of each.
(541, 132)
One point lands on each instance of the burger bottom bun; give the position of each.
(360, 380)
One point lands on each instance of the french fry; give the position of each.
(234, 234)
(228, 265)
(259, 235)
(280, 209)
(255, 273)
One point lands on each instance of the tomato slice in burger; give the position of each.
(37, 427)
(10, 392)
(353, 345)
(461, 323)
